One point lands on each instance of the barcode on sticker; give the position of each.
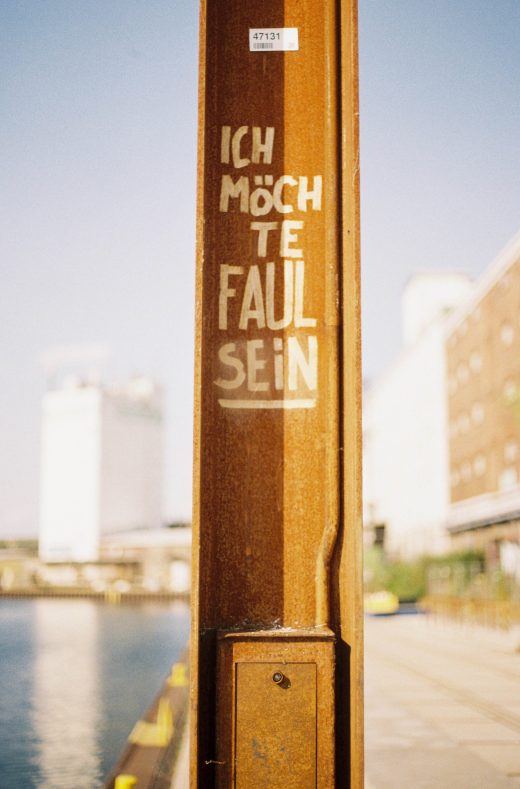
(276, 39)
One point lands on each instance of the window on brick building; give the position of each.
(477, 413)
(507, 334)
(475, 362)
(511, 450)
(479, 465)
(463, 423)
(508, 478)
(510, 391)
(465, 472)
(462, 373)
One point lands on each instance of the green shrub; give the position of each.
(410, 580)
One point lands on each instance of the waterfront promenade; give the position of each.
(442, 705)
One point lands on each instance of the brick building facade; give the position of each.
(483, 382)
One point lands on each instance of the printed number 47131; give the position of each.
(268, 36)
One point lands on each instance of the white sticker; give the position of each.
(273, 39)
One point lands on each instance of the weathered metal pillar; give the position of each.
(277, 628)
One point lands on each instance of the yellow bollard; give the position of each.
(156, 734)
(165, 725)
(125, 781)
(179, 677)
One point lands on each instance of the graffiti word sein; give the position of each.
(263, 365)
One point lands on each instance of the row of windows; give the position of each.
(469, 470)
(503, 286)
(462, 330)
(474, 364)
(463, 422)
(462, 373)
(508, 477)
(507, 480)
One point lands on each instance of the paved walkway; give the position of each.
(442, 706)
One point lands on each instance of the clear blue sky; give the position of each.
(440, 157)
(98, 138)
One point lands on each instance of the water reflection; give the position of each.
(66, 681)
(75, 676)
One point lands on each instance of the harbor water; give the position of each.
(75, 675)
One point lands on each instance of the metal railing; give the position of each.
(499, 614)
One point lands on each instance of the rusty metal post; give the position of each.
(277, 628)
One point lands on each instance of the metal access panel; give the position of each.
(275, 710)
(276, 714)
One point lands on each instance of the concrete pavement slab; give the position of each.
(504, 757)
(437, 705)
(478, 731)
(424, 768)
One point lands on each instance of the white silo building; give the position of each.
(101, 465)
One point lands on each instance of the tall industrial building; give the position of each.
(483, 359)
(101, 465)
(404, 426)
(442, 426)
